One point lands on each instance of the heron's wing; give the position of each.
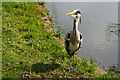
(81, 40)
(67, 41)
(80, 43)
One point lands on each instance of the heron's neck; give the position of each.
(75, 26)
(75, 33)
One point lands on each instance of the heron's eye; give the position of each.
(75, 13)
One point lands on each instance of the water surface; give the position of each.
(98, 22)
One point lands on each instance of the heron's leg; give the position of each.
(73, 63)
(73, 60)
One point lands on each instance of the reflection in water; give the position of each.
(112, 32)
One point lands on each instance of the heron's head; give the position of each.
(76, 14)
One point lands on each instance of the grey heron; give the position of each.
(73, 39)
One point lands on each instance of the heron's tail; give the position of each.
(71, 53)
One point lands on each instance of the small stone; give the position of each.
(21, 62)
(18, 42)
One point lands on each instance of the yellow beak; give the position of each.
(70, 14)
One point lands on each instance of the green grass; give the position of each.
(58, 33)
(30, 49)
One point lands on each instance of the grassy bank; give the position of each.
(31, 50)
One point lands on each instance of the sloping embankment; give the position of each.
(31, 50)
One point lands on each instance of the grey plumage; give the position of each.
(73, 39)
(67, 44)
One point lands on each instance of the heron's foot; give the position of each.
(71, 69)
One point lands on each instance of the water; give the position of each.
(98, 23)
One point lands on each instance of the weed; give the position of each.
(58, 33)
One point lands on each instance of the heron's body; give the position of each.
(73, 40)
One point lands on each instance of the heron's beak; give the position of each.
(70, 13)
